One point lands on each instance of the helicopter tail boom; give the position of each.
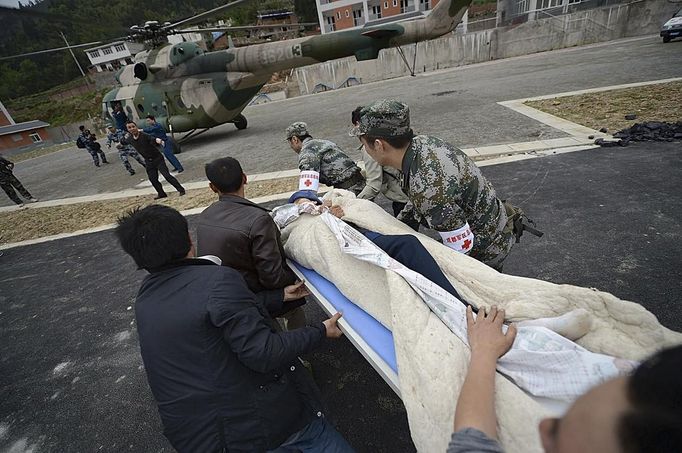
(363, 43)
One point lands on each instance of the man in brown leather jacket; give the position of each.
(244, 236)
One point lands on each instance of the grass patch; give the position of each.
(660, 102)
(35, 223)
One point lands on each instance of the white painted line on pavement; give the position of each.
(187, 212)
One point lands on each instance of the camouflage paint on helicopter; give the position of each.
(187, 88)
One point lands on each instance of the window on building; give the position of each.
(424, 5)
(395, 2)
(120, 48)
(35, 137)
(404, 6)
(331, 23)
(572, 2)
(522, 6)
(385, 5)
(94, 54)
(357, 17)
(376, 11)
(338, 15)
(347, 13)
(107, 51)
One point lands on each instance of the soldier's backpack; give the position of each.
(80, 142)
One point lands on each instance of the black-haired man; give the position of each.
(224, 379)
(244, 236)
(148, 147)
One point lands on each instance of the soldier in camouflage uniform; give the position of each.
(445, 187)
(322, 161)
(124, 151)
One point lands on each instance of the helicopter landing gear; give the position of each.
(240, 122)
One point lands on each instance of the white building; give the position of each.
(112, 56)
(335, 15)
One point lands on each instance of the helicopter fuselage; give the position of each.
(186, 88)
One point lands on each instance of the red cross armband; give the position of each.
(460, 240)
(309, 180)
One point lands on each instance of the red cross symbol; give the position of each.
(466, 244)
(307, 183)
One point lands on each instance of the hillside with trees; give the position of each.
(37, 26)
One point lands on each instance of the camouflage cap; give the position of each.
(384, 118)
(298, 129)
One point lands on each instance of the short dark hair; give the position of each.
(81, 127)
(653, 424)
(225, 174)
(131, 122)
(356, 115)
(151, 117)
(301, 137)
(396, 142)
(154, 236)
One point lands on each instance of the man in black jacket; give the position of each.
(224, 379)
(244, 236)
(148, 147)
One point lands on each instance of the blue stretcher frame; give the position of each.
(369, 336)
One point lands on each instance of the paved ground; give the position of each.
(458, 105)
(71, 377)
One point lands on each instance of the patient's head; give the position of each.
(225, 176)
(154, 236)
(636, 414)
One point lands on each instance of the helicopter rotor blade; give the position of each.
(56, 49)
(205, 15)
(242, 27)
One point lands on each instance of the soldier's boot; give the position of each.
(104, 158)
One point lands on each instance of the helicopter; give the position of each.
(188, 89)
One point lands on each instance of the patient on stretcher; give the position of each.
(407, 250)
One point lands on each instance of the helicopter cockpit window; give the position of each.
(140, 71)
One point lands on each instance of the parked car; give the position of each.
(673, 28)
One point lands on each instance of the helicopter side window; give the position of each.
(140, 107)
(129, 110)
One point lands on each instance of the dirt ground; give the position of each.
(660, 102)
(34, 223)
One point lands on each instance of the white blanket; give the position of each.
(432, 362)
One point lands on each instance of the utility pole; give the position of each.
(74, 59)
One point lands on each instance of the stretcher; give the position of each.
(369, 336)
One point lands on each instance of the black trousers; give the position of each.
(156, 166)
(407, 250)
(9, 183)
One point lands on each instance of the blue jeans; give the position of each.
(319, 436)
(168, 152)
